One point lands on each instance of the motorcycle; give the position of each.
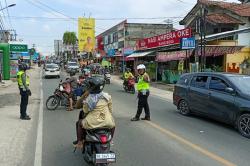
(130, 86)
(107, 77)
(97, 147)
(60, 97)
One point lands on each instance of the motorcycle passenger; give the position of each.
(97, 109)
(143, 93)
(127, 75)
(72, 83)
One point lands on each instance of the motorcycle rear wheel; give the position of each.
(52, 103)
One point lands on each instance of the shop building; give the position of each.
(118, 42)
(224, 54)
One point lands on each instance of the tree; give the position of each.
(69, 38)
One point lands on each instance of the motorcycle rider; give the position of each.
(97, 110)
(143, 93)
(23, 84)
(127, 75)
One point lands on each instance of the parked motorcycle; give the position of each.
(97, 147)
(107, 77)
(130, 86)
(60, 97)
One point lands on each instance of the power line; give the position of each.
(8, 15)
(99, 19)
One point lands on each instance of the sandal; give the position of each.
(78, 145)
(69, 109)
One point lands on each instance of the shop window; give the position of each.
(218, 84)
(199, 81)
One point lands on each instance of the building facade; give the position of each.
(219, 16)
(120, 41)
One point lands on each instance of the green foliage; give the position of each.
(69, 38)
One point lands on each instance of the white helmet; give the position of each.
(141, 66)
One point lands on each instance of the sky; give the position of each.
(28, 16)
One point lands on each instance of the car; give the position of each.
(72, 66)
(224, 97)
(51, 70)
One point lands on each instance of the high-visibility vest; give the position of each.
(142, 85)
(20, 81)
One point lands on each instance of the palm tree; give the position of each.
(69, 38)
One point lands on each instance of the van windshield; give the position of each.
(242, 83)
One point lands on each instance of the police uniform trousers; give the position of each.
(143, 103)
(24, 102)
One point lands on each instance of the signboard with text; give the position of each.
(164, 39)
(18, 48)
(187, 43)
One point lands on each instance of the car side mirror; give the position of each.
(230, 90)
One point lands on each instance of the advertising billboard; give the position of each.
(164, 39)
(86, 34)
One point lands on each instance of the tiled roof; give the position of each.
(222, 18)
(237, 8)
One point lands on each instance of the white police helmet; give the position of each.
(141, 66)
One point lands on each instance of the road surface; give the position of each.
(168, 140)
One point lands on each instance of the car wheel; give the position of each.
(243, 124)
(183, 107)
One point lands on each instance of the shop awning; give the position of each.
(171, 56)
(220, 50)
(139, 54)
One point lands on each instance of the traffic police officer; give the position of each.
(23, 84)
(143, 93)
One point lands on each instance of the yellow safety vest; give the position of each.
(142, 85)
(19, 79)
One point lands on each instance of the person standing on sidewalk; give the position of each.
(23, 84)
(143, 93)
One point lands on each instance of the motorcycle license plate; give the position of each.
(105, 158)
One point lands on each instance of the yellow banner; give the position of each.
(86, 34)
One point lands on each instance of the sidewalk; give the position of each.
(167, 95)
(14, 133)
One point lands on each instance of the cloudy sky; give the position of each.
(38, 21)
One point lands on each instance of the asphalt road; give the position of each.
(168, 140)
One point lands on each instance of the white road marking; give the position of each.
(39, 139)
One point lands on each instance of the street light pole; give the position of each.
(8, 6)
(3, 32)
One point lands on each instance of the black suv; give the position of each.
(222, 96)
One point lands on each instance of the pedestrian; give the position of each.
(143, 93)
(23, 84)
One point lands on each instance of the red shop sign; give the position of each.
(164, 39)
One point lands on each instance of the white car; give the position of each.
(51, 70)
(72, 66)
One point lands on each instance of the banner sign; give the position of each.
(86, 34)
(171, 56)
(164, 39)
(187, 43)
(18, 48)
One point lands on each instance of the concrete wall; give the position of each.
(244, 38)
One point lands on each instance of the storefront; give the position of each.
(170, 65)
(17, 52)
(148, 59)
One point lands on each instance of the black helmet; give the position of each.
(22, 66)
(72, 73)
(96, 84)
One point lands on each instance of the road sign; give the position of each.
(187, 43)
